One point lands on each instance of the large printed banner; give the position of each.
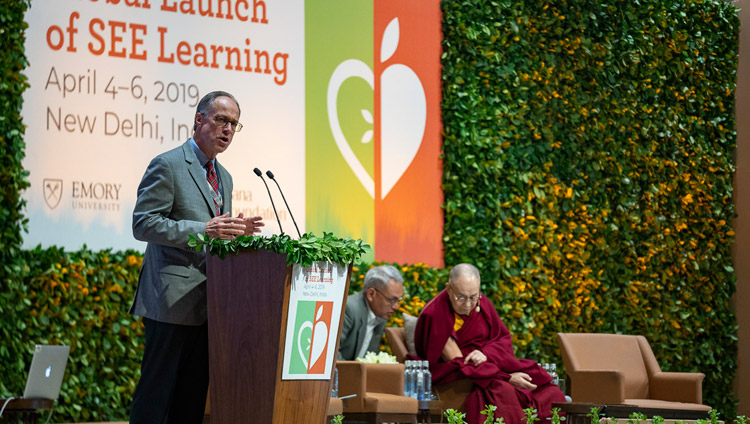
(373, 125)
(340, 99)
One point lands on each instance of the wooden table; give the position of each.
(577, 412)
(24, 410)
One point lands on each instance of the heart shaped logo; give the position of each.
(302, 354)
(319, 337)
(403, 114)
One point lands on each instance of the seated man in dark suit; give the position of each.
(368, 310)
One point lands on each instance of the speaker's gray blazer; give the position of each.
(173, 202)
(354, 327)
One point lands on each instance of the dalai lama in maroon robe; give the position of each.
(461, 335)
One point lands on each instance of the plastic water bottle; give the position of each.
(335, 388)
(427, 380)
(408, 378)
(419, 386)
(553, 374)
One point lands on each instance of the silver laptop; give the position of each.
(46, 372)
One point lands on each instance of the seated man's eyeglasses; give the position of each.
(222, 121)
(466, 299)
(391, 300)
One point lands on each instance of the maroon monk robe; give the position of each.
(486, 332)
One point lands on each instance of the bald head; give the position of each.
(463, 285)
(464, 274)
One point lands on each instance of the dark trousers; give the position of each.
(174, 375)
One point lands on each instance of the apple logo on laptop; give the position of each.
(48, 371)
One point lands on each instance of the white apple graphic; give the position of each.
(319, 338)
(403, 114)
(302, 354)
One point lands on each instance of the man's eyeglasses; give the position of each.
(391, 300)
(222, 122)
(466, 299)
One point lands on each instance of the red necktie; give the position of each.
(213, 181)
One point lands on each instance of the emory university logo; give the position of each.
(53, 188)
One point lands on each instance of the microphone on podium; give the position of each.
(270, 175)
(260, 174)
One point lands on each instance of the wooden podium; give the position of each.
(248, 300)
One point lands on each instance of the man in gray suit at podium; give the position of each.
(184, 191)
(367, 312)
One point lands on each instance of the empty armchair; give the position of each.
(618, 369)
(379, 390)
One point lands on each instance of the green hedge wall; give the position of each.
(79, 299)
(588, 171)
(12, 85)
(12, 174)
(12, 181)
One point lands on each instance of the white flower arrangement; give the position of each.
(378, 358)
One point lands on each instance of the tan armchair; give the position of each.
(396, 338)
(616, 369)
(453, 394)
(380, 393)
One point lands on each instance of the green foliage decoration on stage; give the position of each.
(588, 163)
(12, 183)
(304, 251)
(79, 299)
(12, 146)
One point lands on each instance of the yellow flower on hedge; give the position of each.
(131, 260)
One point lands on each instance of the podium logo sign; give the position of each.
(315, 302)
(373, 126)
(312, 326)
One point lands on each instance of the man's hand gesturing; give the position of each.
(252, 224)
(225, 227)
